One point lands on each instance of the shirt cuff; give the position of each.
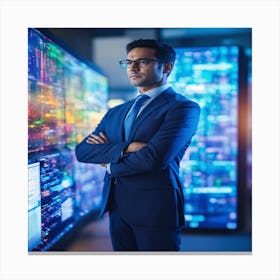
(108, 168)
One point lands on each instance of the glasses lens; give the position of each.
(140, 62)
(123, 64)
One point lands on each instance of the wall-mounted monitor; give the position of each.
(67, 97)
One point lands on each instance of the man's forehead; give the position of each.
(141, 53)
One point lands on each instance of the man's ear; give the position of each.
(167, 67)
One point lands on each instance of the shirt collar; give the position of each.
(153, 93)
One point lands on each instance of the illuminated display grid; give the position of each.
(209, 75)
(57, 195)
(66, 97)
(46, 115)
(66, 100)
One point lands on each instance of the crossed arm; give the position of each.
(101, 138)
(170, 141)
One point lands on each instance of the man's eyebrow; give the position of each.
(139, 58)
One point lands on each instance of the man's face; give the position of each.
(145, 76)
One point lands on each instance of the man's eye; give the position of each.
(144, 61)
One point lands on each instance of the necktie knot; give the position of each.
(141, 98)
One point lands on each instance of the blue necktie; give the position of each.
(133, 113)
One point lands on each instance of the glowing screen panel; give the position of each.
(46, 110)
(57, 195)
(67, 97)
(209, 75)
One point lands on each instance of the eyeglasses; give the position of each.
(142, 62)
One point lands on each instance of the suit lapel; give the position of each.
(155, 104)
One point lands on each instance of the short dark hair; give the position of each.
(163, 51)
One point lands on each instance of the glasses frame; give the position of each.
(141, 62)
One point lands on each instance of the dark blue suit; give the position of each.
(147, 188)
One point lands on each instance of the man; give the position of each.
(142, 190)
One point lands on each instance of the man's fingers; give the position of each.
(103, 136)
(94, 139)
(91, 140)
(97, 139)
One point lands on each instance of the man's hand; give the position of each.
(134, 147)
(101, 138)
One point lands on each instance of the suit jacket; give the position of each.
(146, 183)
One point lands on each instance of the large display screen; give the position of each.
(67, 97)
(210, 76)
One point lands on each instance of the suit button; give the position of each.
(115, 181)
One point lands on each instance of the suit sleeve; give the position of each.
(172, 138)
(100, 153)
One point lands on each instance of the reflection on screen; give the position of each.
(88, 197)
(209, 75)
